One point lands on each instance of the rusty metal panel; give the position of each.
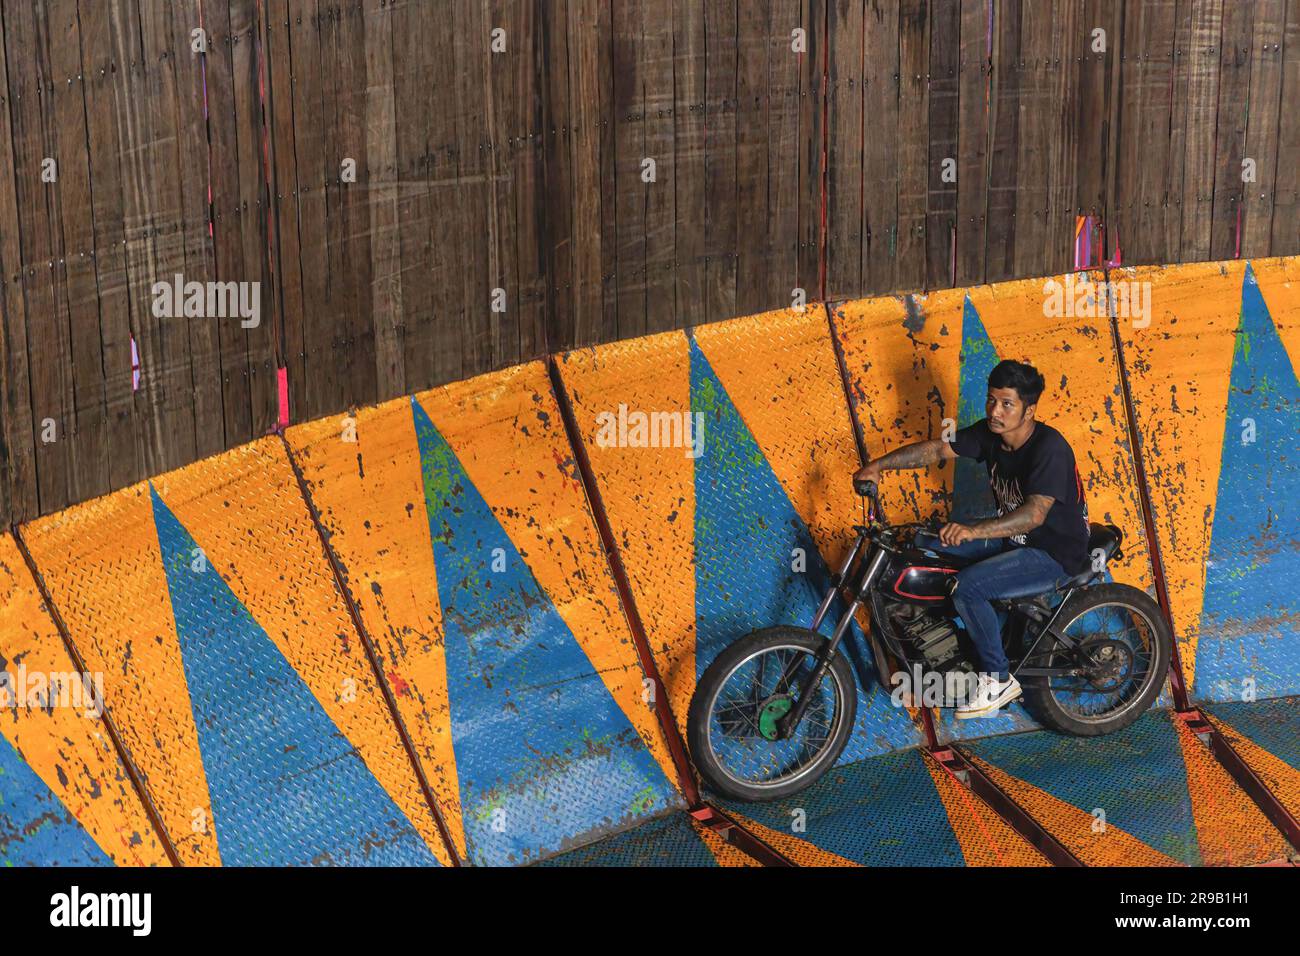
(65, 797)
(674, 840)
(104, 570)
(468, 545)
(729, 531)
(240, 685)
(1266, 734)
(898, 809)
(1217, 404)
(918, 367)
(1149, 795)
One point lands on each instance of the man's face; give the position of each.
(1005, 411)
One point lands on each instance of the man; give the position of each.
(1040, 536)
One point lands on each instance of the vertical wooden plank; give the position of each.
(813, 133)
(263, 349)
(130, 115)
(385, 183)
(1262, 128)
(941, 196)
(1197, 86)
(337, 326)
(500, 117)
(438, 351)
(1144, 200)
(753, 239)
(473, 335)
(31, 92)
(89, 450)
(191, 125)
(590, 83)
(1286, 204)
(785, 72)
(321, 383)
(689, 163)
(1038, 123)
(354, 249)
(1233, 108)
(628, 121)
(1093, 137)
(166, 235)
(846, 147)
(18, 490)
(974, 81)
(527, 91)
(1065, 149)
(720, 209)
(913, 136)
(415, 145)
(228, 218)
(881, 166)
(660, 199)
(556, 181)
(1004, 152)
(286, 300)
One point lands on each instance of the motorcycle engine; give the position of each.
(934, 637)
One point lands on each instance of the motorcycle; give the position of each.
(774, 711)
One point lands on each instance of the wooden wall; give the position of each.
(818, 169)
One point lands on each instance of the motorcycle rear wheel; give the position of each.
(1124, 632)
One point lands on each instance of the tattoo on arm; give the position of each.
(1026, 518)
(917, 455)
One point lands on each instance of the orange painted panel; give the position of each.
(101, 563)
(648, 492)
(363, 472)
(245, 511)
(65, 742)
(506, 430)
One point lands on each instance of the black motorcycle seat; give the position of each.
(1105, 538)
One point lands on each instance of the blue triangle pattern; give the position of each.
(1249, 626)
(287, 787)
(545, 757)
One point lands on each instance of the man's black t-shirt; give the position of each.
(1043, 465)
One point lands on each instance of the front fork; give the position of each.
(785, 725)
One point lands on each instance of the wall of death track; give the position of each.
(464, 626)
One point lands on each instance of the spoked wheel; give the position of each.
(735, 729)
(1127, 646)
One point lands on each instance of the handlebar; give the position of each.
(865, 487)
(870, 490)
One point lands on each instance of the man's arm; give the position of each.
(916, 455)
(1026, 518)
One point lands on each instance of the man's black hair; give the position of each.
(1023, 378)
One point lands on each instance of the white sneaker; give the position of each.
(990, 695)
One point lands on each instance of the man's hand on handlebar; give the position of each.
(955, 533)
(866, 479)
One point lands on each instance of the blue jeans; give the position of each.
(1002, 570)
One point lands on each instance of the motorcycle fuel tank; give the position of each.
(917, 578)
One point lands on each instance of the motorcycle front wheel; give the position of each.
(733, 724)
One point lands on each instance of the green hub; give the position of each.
(771, 712)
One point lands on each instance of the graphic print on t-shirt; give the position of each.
(1008, 495)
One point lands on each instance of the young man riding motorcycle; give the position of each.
(1040, 535)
